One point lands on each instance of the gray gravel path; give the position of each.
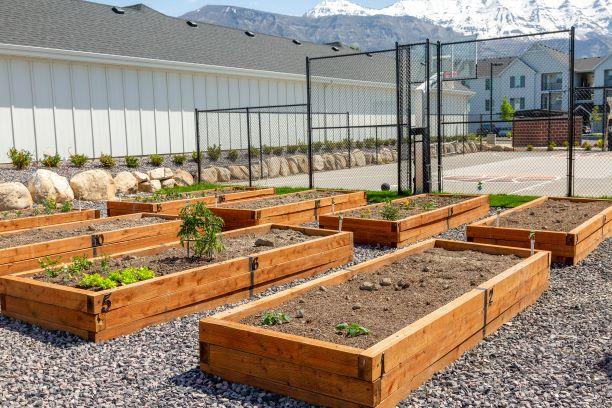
(554, 354)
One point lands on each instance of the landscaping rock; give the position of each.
(284, 167)
(150, 186)
(330, 161)
(367, 286)
(141, 177)
(386, 282)
(183, 178)
(14, 196)
(293, 166)
(161, 173)
(259, 170)
(358, 159)
(318, 163)
(369, 158)
(299, 314)
(341, 161)
(356, 306)
(274, 165)
(94, 185)
(239, 172)
(473, 146)
(223, 174)
(261, 242)
(168, 183)
(209, 175)
(126, 183)
(302, 162)
(47, 185)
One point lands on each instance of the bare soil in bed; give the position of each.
(9, 240)
(404, 292)
(176, 260)
(282, 199)
(554, 215)
(36, 210)
(161, 197)
(406, 208)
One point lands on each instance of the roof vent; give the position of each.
(118, 10)
(249, 34)
(297, 42)
(335, 48)
(369, 54)
(192, 23)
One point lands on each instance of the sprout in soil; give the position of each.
(389, 212)
(274, 318)
(351, 330)
(201, 227)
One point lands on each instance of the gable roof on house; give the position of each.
(483, 67)
(142, 32)
(587, 64)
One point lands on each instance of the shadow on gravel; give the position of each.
(605, 364)
(56, 339)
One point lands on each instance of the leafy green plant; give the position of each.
(78, 160)
(179, 159)
(278, 151)
(565, 144)
(50, 266)
(132, 162)
(391, 142)
(267, 149)
(195, 157)
(214, 152)
(359, 144)
(507, 110)
(600, 144)
(66, 207)
(292, 149)
(587, 146)
(105, 263)
(480, 186)
(21, 159)
(80, 264)
(429, 205)
(96, 281)
(328, 145)
(317, 146)
(551, 146)
(389, 212)
(273, 318)
(369, 142)
(303, 148)
(131, 275)
(156, 159)
(51, 160)
(107, 161)
(529, 148)
(254, 152)
(50, 205)
(232, 155)
(351, 330)
(202, 227)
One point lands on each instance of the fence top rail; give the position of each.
(507, 37)
(369, 53)
(244, 108)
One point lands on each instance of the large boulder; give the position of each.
(358, 159)
(259, 170)
(168, 183)
(239, 172)
(126, 183)
(473, 146)
(150, 186)
(47, 185)
(318, 163)
(161, 173)
(369, 158)
(94, 185)
(183, 178)
(385, 156)
(141, 177)
(330, 161)
(293, 166)
(14, 196)
(209, 175)
(302, 162)
(341, 161)
(223, 174)
(284, 167)
(274, 166)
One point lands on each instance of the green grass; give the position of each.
(187, 189)
(382, 196)
(289, 190)
(508, 200)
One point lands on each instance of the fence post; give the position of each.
(604, 118)
(260, 146)
(426, 139)
(309, 123)
(198, 155)
(348, 134)
(248, 123)
(570, 108)
(440, 82)
(398, 107)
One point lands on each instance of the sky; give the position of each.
(290, 7)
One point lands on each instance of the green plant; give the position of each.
(21, 159)
(66, 207)
(202, 227)
(273, 318)
(254, 152)
(576, 143)
(317, 146)
(179, 159)
(392, 142)
(50, 205)
(131, 275)
(351, 330)
(292, 149)
(267, 149)
(600, 144)
(389, 212)
(195, 156)
(107, 161)
(506, 110)
(480, 185)
(565, 144)
(329, 145)
(595, 115)
(156, 159)
(529, 148)
(132, 162)
(369, 142)
(96, 281)
(51, 160)
(551, 146)
(80, 264)
(278, 151)
(105, 263)
(359, 144)
(232, 155)
(303, 148)
(214, 152)
(50, 266)
(78, 160)
(587, 146)
(430, 205)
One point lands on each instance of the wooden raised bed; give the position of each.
(329, 374)
(44, 220)
(173, 207)
(411, 229)
(99, 316)
(567, 247)
(26, 257)
(289, 214)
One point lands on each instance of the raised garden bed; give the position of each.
(424, 326)
(25, 220)
(571, 228)
(408, 219)
(22, 250)
(291, 209)
(239, 272)
(173, 203)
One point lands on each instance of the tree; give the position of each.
(507, 110)
(595, 115)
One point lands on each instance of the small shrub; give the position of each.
(107, 161)
(386, 142)
(317, 146)
(202, 227)
(232, 155)
(194, 156)
(274, 318)
(359, 144)
(156, 160)
(351, 330)
(600, 144)
(132, 162)
(292, 149)
(576, 143)
(587, 146)
(50, 205)
(66, 207)
(389, 212)
(392, 142)
(254, 152)
(565, 144)
(278, 151)
(21, 159)
(369, 142)
(303, 148)
(51, 160)
(214, 152)
(179, 159)
(551, 146)
(131, 275)
(267, 149)
(78, 160)
(529, 148)
(329, 145)
(96, 281)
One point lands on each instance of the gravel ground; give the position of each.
(557, 353)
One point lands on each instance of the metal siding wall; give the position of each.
(188, 90)
(6, 121)
(161, 112)
(116, 111)
(99, 111)
(175, 113)
(21, 95)
(43, 101)
(81, 99)
(147, 112)
(62, 99)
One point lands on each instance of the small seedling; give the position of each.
(389, 212)
(51, 266)
(351, 330)
(66, 207)
(156, 159)
(132, 162)
(51, 160)
(50, 205)
(131, 275)
(201, 227)
(80, 264)
(78, 160)
(96, 281)
(430, 205)
(273, 318)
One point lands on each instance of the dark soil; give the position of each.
(9, 240)
(175, 259)
(283, 199)
(406, 208)
(419, 285)
(554, 215)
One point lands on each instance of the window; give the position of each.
(552, 82)
(517, 81)
(555, 99)
(608, 77)
(517, 103)
(488, 84)
(487, 105)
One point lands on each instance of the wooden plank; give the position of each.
(64, 296)
(38, 221)
(84, 334)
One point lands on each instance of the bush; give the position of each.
(600, 144)
(529, 148)
(156, 159)
(132, 162)
(78, 160)
(317, 146)
(21, 159)
(392, 142)
(587, 146)
(232, 155)
(214, 152)
(254, 152)
(369, 142)
(278, 151)
(51, 161)
(303, 148)
(267, 149)
(328, 145)
(358, 144)
(292, 149)
(565, 144)
(194, 156)
(551, 146)
(107, 161)
(576, 143)
(179, 159)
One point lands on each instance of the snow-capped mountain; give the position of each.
(491, 18)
